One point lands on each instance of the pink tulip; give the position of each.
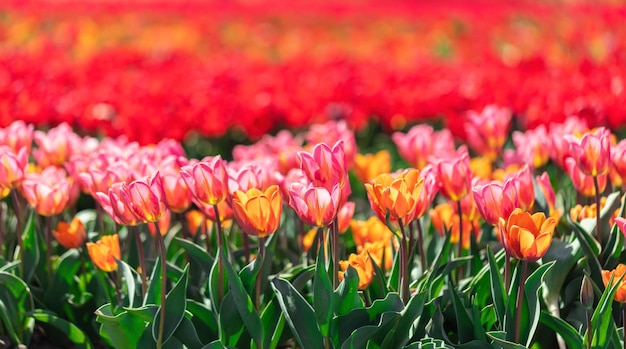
(316, 206)
(13, 166)
(533, 146)
(592, 152)
(117, 205)
(582, 182)
(147, 198)
(327, 167)
(48, 196)
(487, 131)
(207, 180)
(454, 177)
(421, 143)
(495, 200)
(17, 135)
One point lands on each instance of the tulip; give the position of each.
(481, 167)
(495, 200)
(195, 221)
(592, 152)
(583, 183)
(177, 194)
(258, 212)
(533, 146)
(559, 145)
(397, 195)
(363, 266)
(56, 146)
(17, 135)
(487, 131)
(524, 188)
(618, 159)
(105, 251)
(116, 204)
(454, 177)
(327, 167)
(334, 132)
(147, 198)
(525, 236)
(223, 207)
(48, 199)
(207, 180)
(70, 235)
(316, 206)
(344, 216)
(381, 253)
(617, 273)
(444, 217)
(163, 223)
(13, 167)
(368, 166)
(422, 142)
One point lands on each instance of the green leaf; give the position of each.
(187, 335)
(570, 335)
(347, 294)
(322, 294)
(122, 330)
(197, 254)
(129, 280)
(230, 322)
(273, 323)
(214, 345)
(203, 318)
(244, 304)
(499, 338)
(30, 244)
(602, 319)
(71, 331)
(153, 294)
(565, 256)
(409, 319)
(378, 287)
(298, 314)
(498, 293)
(175, 303)
(464, 324)
(367, 336)
(589, 247)
(6, 319)
(360, 317)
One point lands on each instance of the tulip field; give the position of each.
(352, 174)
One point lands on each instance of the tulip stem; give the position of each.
(520, 301)
(259, 276)
(623, 323)
(220, 244)
(507, 271)
(590, 327)
(461, 269)
(184, 229)
(598, 227)
(1, 232)
(142, 259)
(246, 247)
(99, 218)
(116, 285)
(334, 231)
(48, 234)
(403, 277)
(420, 244)
(161, 244)
(18, 229)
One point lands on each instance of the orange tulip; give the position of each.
(164, 224)
(618, 272)
(368, 166)
(258, 212)
(105, 251)
(195, 220)
(70, 235)
(380, 251)
(397, 195)
(526, 236)
(443, 217)
(363, 266)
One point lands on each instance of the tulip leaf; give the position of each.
(31, 248)
(530, 306)
(71, 331)
(7, 320)
(602, 323)
(186, 334)
(273, 321)
(129, 279)
(122, 330)
(498, 292)
(392, 281)
(214, 283)
(378, 287)
(230, 323)
(153, 294)
(359, 317)
(431, 343)
(203, 318)
(570, 335)
(197, 254)
(368, 336)
(589, 247)
(215, 345)
(322, 294)
(244, 304)
(464, 324)
(298, 314)
(175, 303)
(565, 256)
(499, 338)
(347, 294)
(409, 319)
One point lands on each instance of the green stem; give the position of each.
(507, 271)
(598, 226)
(220, 244)
(259, 276)
(420, 245)
(334, 232)
(163, 256)
(18, 229)
(520, 301)
(403, 277)
(48, 234)
(461, 269)
(142, 260)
